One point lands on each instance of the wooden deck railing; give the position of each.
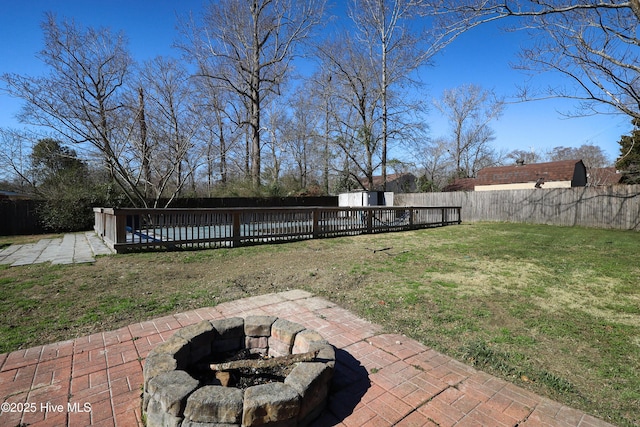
(124, 229)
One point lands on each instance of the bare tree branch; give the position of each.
(593, 43)
(250, 45)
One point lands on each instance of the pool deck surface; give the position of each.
(71, 248)
(380, 379)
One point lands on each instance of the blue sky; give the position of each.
(481, 57)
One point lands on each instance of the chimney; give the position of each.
(520, 162)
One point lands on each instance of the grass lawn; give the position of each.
(555, 310)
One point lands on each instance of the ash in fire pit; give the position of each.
(244, 369)
(243, 372)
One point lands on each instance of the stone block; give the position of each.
(215, 404)
(270, 403)
(229, 334)
(232, 327)
(258, 326)
(285, 330)
(326, 352)
(154, 365)
(304, 339)
(157, 417)
(192, 331)
(278, 348)
(178, 348)
(256, 343)
(200, 337)
(171, 390)
(196, 424)
(311, 380)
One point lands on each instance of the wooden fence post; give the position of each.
(120, 228)
(235, 228)
(315, 223)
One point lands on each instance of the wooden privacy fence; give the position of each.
(20, 217)
(615, 207)
(123, 229)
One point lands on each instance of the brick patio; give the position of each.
(380, 379)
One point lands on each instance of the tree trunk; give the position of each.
(385, 129)
(223, 154)
(144, 147)
(255, 101)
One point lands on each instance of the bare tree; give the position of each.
(593, 43)
(356, 103)
(526, 156)
(396, 48)
(436, 163)
(15, 146)
(591, 155)
(275, 125)
(173, 125)
(322, 88)
(139, 124)
(82, 98)
(303, 134)
(221, 133)
(470, 109)
(250, 45)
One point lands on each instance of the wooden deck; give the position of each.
(125, 229)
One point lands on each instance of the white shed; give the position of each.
(365, 198)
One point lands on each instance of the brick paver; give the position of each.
(380, 379)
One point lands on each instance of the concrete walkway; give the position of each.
(380, 379)
(69, 249)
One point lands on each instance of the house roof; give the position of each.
(604, 176)
(13, 195)
(461, 184)
(377, 179)
(563, 170)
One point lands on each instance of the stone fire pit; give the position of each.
(173, 397)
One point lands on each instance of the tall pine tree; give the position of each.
(629, 161)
